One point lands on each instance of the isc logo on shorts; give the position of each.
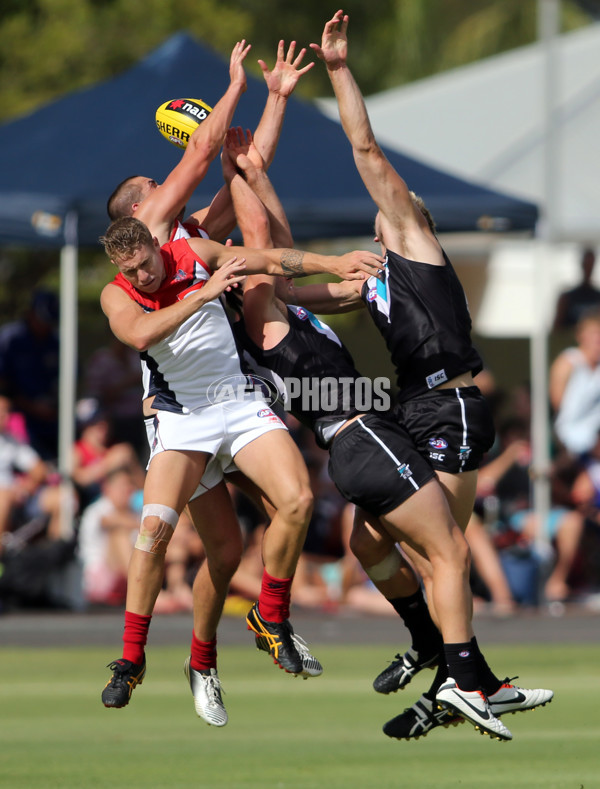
(372, 294)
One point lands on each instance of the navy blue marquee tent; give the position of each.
(65, 158)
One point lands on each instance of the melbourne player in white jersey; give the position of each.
(161, 303)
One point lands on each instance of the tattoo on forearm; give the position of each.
(291, 262)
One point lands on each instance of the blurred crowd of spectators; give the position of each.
(512, 567)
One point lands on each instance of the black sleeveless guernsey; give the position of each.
(421, 310)
(312, 370)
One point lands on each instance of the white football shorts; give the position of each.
(220, 430)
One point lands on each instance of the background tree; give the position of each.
(51, 47)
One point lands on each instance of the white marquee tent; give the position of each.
(485, 121)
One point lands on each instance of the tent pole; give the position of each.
(548, 16)
(67, 372)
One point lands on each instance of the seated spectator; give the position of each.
(25, 492)
(575, 388)
(95, 456)
(33, 553)
(109, 526)
(113, 378)
(29, 355)
(572, 304)
(487, 568)
(108, 530)
(506, 478)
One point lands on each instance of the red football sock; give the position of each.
(135, 636)
(274, 599)
(204, 654)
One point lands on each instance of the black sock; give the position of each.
(489, 681)
(413, 610)
(462, 665)
(440, 677)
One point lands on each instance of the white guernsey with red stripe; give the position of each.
(182, 369)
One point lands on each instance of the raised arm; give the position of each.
(218, 219)
(242, 154)
(265, 317)
(160, 209)
(281, 82)
(388, 190)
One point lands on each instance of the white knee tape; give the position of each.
(157, 540)
(166, 514)
(385, 569)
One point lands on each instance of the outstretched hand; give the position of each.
(239, 147)
(358, 265)
(334, 42)
(226, 277)
(236, 63)
(286, 71)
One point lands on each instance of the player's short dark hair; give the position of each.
(124, 196)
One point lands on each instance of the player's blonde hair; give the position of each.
(420, 203)
(124, 237)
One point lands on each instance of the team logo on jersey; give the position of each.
(464, 453)
(302, 313)
(372, 294)
(180, 276)
(438, 443)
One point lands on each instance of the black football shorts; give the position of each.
(451, 428)
(374, 464)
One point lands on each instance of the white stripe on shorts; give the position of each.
(387, 450)
(464, 423)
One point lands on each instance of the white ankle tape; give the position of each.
(386, 568)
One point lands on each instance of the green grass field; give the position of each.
(283, 732)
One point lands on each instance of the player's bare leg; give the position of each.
(171, 479)
(216, 522)
(274, 463)
(397, 581)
